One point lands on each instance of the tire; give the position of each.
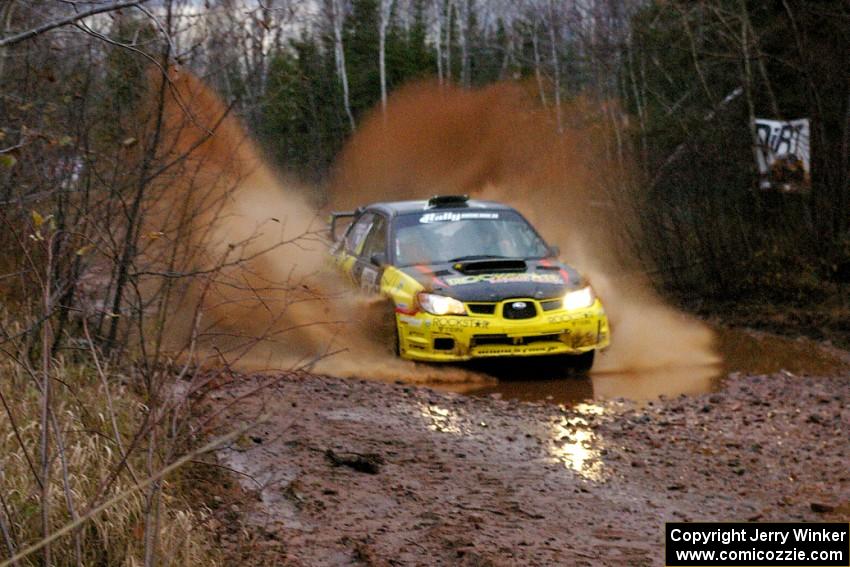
(380, 325)
(396, 340)
(389, 324)
(582, 362)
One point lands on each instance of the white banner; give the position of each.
(782, 154)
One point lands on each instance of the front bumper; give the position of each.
(447, 338)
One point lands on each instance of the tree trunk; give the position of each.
(449, 6)
(556, 69)
(438, 43)
(338, 18)
(538, 75)
(463, 33)
(385, 8)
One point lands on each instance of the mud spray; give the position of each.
(250, 285)
(500, 143)
(261, 294)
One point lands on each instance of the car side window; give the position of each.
(376, 241)
(355, 235)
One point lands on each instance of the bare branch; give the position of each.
(23, 36)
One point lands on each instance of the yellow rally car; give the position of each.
(469, 279)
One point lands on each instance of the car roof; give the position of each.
(395, 208)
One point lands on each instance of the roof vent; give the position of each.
(438, 201)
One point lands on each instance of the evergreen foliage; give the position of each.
(691, 77)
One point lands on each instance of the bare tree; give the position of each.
(438, 7)
(556, 67)
(463, 7)
(535, 45)
(450, 16)
(384, 11)
(338, 9)
(233, 41)
(66, 21)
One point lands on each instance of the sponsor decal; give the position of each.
(450, 216)
(459, 323)
(506, 278)
(429, 272)
(369, 281)
(581, 318)
(412, 321)
(562, 318)
(562, 271)
(516, 350)
(405, 310)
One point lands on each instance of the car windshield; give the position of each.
(449, 236)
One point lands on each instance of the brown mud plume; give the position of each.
(498, 142)
(255, 290)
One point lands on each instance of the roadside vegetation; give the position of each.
(89, 408)
(95, 424)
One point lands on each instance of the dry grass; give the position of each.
(85, 454)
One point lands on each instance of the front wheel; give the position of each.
(395, 343)
(389, 329)
(582, 362)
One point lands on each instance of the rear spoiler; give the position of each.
(335, 216)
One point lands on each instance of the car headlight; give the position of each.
(579, 298)
(440, 304)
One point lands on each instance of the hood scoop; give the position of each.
(490, 266)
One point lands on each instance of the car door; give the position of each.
(352, 245)
(372, 256)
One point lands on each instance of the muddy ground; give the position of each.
(347, 472)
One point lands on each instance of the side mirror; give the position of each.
(554, 251)
(379, 258)
(332, 222)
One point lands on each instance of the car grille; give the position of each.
(482, 308)
(479, 340)
(510, 312)
(519, 310)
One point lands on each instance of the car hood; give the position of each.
(497, 279)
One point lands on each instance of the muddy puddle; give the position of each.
(744, 351)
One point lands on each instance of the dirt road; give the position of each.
(350, 472)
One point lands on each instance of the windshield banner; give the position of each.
(454, 216)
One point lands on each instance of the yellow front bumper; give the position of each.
(436, 338)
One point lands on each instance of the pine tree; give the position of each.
(361, 55)
(408, 55)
